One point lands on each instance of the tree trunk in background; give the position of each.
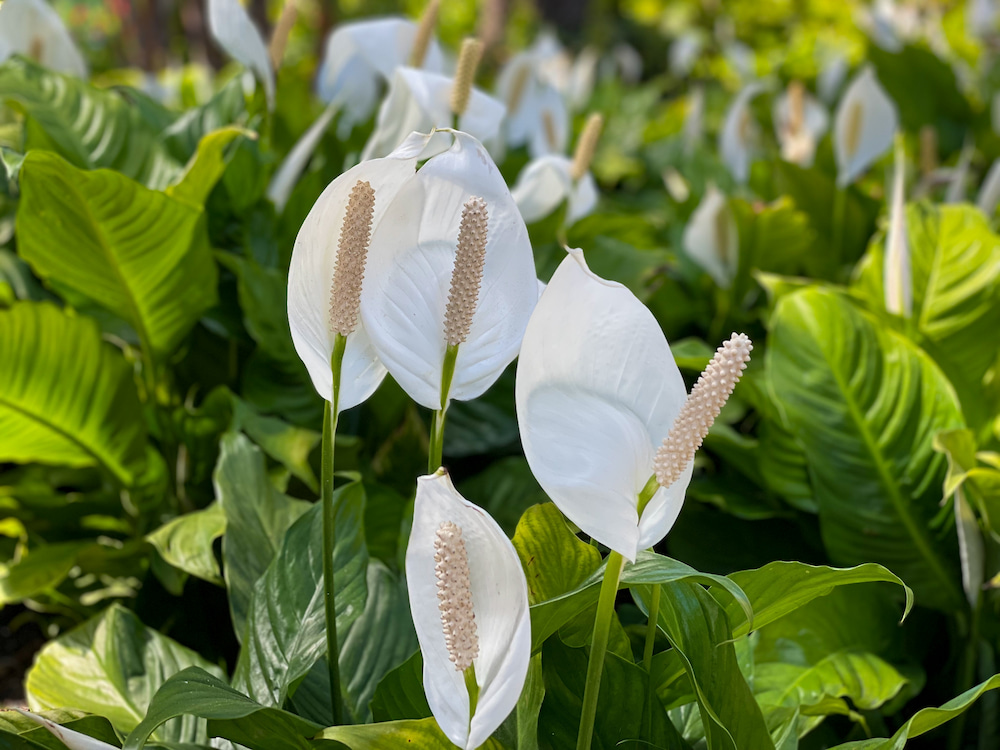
(200, 47)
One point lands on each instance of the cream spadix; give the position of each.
(33, 28)
(469, 601)
(417, 259)
(231, 27)
(597, 393)
(864, 126)
(800, 121)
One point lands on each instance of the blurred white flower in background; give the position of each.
(711, 237)
(546, 182)
(897, 275)
(231, 27)
(739, 134)
(864, 126)
(989, 191)
(32, 28)
(799, 121)
(684, 52)
(831, 77)
(536, 113)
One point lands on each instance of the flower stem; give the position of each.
(472, 686)
(436, 450)
(598, 648)
(331, 414)
(654, 609)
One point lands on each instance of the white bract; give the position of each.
(360, 58)
(989, 191)
(832, 77)
(33, 29)
(898, 281)
(694, 119)
(546, 183)
(497, 614)
(684, 52)
(70, 738)
(864, 126)
(420, 101)
(739, 133)
(711, 238)
(799, 121)
(231, 27)
(410, 271)
(597, 392)
(536, 113)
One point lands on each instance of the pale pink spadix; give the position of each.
(700, 409)
(458, 616)
(349, 271)
(467, 275)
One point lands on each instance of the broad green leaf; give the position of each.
(505, 489)
(194, 692)
(419, 734)
(697, 628)
(257, 517)
(780, 588)
(286, 622)
(554, 559)
(87, 126)
(923, 86)
(925, 720)
(620, 707)
(187, 542)
(400, 694)
(18, 732)
(42, 568)
(484, 425)
(776, 238)
(206, 167)
(227, 107)
(140, 254)
(112, 665)
(955, 267)
(66, 397)
(282, 441)
(649, 568)
(866, 403)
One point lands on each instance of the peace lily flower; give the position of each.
(832, 77)
(536, 113)
(864, 126)
(597, 391)
(572, 77)
(684, 52)
(694, 119)
(711, 238)
(547, 182)
(231, 27)
(422, 101)
(361, 57)
(898, 284)
(981, 17)
(469, 601)
(33, 29)
(70, 738)
(800, 121)
(450, 282)
(989, 191)
(739, 133)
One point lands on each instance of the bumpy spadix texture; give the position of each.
(586, 146)
(345, 294)
(458, 617)
(465, 74)
(425, 34)
(468, 273)
(701, 408)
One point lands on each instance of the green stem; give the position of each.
(436, 449)
(966, 675)
(472, 686)
(598, 648)
(839, 214)
(331, 414)
(654, 609)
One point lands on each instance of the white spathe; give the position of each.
(310, 277)
(684, 52)
(500, 602)
(711, 237)
(898, 278)
(70, 738)
(864, 126)
(545, 183)
(739, 133)
(799, 145)
(231, 27)
(832, 77)
(410, 264)
(989, 191)
(360, 58)
(420, 101)
(597, 391)
(283, 182)
(33, 28)
(536, 113)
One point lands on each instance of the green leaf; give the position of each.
(620, 708)
(18, 732)
(187, 541)
(955, 267)
(42, 568)
(194, 692)
(925, 720)
(775, 238)
(257, 517)
(421, 734)
(87, 126)
(554, 559)
(866, 403)
(505, 490)
(922, 85)
(697, 628)
(66, 397)
(286, 622)
(649, 568)
(205, 167)
(780, 588)
(400, 694)
(225, 108)
(286, 443)
(140, 254)
(112, 665)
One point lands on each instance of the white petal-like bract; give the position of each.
(545, 183)
(989, 191)
(283, 182)
(864, 126)
(409, 274)
(739, 133)
(70, 738)
(898, 279)
(230, 26)
(711, 237)
(597, 391)
(499, 600)
(33, 28)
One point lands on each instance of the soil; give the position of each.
(20, 638)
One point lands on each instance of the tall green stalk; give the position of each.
(599, 648)
(331, 413)
(436, 448)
